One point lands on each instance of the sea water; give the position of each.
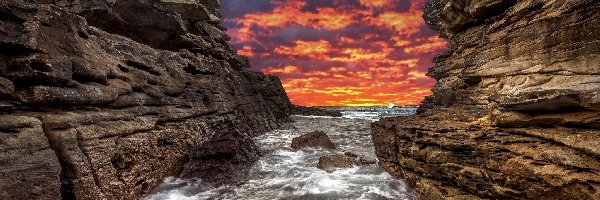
(282, 173)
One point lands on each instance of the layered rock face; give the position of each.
(103, 99)
(516, 110)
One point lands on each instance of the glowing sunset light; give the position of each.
(315, 50)
(376, 3)
(431, 44)
(402, 23)
(282, 70)
(246, 51)
(346, 52)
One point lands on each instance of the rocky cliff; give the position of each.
(103, 99)
(516, 110)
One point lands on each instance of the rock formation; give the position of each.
(314, 139)
(314, 111)
(333, 162)
(516, 110)
(104, 99)
(330, 163)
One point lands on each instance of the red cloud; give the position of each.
(246, 51)
(367, 54)
(404, 23)
(377, 3)
(290, 12)
(430, 44)
(323, 50)
(315, 50)
(290, 69)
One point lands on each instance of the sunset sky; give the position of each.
(338, 52)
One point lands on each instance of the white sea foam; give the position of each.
(315, 116)
(283, 173)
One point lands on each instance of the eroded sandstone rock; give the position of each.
(104, 99)
(331, 163)
(314, 139)
(30, 168)
(514, 114)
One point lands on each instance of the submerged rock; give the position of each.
(330, 163)
(314, 111)
(515, 113)
(104, 99)
(314, 139)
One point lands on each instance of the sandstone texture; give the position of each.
(313, 140)
(331, 163)
(103, 99)
(516, 110)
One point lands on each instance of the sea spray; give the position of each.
(283, 173)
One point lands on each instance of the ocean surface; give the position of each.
(282, 173)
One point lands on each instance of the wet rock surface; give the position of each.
(104, 99)
(330, 163)
(317, 139)
(285, 173)
(314, 111)
(514, 114)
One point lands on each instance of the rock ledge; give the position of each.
(515, 113)
(104, 99)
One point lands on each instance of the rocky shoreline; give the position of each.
(314, 111)
(516, 110)
(105, 99)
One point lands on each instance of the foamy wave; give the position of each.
(315, 117)
(283, 173)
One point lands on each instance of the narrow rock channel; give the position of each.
(283, 173)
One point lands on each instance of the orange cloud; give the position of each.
(358, 54)
(337, 69)
(416, 75)
(389, 81)
(376, 3)
(322, 49)
(290, 69)
(431, 44)
(290, 12)
(335, 53)
(317, 73)
(400, 42)
(356, 87)
(316, 50)
(330, 91)
(246, 51)
(403, 23)
(330, 18)
(409, 63)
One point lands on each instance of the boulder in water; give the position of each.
(366, 161)
(358, 159)
(314, 139)
(330, 163)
